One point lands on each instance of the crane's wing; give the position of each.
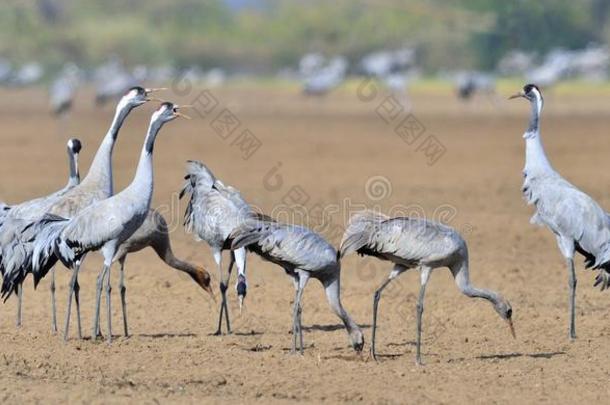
(359, 230)
(286, 245)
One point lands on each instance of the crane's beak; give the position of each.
(153, 90)
(179, 114)
(517, 95)
(241, 303)
(512, 328)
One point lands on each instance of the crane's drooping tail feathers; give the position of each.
(359, 231)
(16, 265)
(46, 232)
(247, 233)
(600, 263)
(198, 179)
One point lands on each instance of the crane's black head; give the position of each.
(136, 96)
(74, 145)
(166, 112)
(530, 92)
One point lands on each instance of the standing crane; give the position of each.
(302, 254)
(96, 186)
(16, 216)
(415, 243)
(102, 225)
(578, 222)
(213, 212)
(154, 233)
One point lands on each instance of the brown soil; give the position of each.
(331, 148)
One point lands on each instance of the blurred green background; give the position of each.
(264, 35)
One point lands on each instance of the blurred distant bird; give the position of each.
(62, 90)
(112, 80)
(154, 233)
(15, 218)
(470, 83)
(576, 220)
(324, 79)
(415, 243)
(302, 254)
(213, 212)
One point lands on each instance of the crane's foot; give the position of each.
(373, 355)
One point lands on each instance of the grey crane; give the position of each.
(302, 254)
(62, 90)
(415, 243)
(97, 185)
(577, 221)
(16, 216)
(213, 212)
(154, 233)
(104, 224)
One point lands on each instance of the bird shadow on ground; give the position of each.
(251, 333)
(329, 328)
(507, 356)
(541, 355)
(165, 335)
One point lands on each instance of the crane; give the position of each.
(415, 243)
(215, 210)
(102, 225)
(302, 254)
(154, 233)
(97, 185)
(577, 221)
(15, 218)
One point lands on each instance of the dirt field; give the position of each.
(325, 152)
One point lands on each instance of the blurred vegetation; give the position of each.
(268, 34)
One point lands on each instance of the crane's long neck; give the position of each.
(462, 279)
(74, 178)
(536, 161)
(100, 172)
(143, 181)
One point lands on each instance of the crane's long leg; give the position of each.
(296, 317)
(53, 306)
(77, 301)
(572, 284)
(224, 308)
(73, 282)
(108, 304)
(19, 302)
(95, 331)
(395, 272)
(123, 290)
(241, 285)
(425, 276)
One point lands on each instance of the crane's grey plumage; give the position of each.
(578, 222)
(104, 224)
(411, 243)
(302, 253)
(96, 186)
(154, 233)
(214, 211)
(16, 217)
